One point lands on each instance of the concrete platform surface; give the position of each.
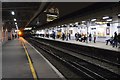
(14, 60)
(16, 65)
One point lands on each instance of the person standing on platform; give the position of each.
(69, 36)
(63, 36)
(94, 35)
(76, 36)
(115, 40)
(53, 35)
(90, 37)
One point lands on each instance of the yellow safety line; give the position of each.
(30, 63)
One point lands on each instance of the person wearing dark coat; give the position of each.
(115, 40)
(90, 37)
(63, 36)
(109, 40)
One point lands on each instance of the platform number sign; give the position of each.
(107, 31)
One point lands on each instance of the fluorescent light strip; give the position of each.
(28, 28)
(109, 20)
(13, 13)
(83, 21)
(14, 19)
(93, 20)
(52, 15)
(71, 24)
(105, 17)
(76, 23)
(15, 23)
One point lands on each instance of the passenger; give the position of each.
(58, 34)
(80, 37)
(90, 37)
(63, 36)
(94, 37)
(53, 35)
(15, 35)
(76, 36)
(47, 35)
(115, 40)
(109, 40)
(69, 35)
(85, 38)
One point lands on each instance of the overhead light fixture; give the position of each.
(93, 19)
(82, 24)
(16, 26)
(76, 23)
(52, 15)
(29, 28)
(109, 19)
(105, 17)
(71, 24)
(83, 21)
(16, 23)
(13, 13)
(65, 24)
(14, 19)
(101, 22)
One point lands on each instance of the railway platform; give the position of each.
(21, 60)
(101, 45)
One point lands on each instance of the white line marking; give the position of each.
(56, 70)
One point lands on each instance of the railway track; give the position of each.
(81, 67)
(98, 57)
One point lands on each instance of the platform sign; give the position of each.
(107, 31)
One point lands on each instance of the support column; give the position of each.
(87, 25)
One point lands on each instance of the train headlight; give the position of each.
(19, 33)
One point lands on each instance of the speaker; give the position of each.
(108, 24)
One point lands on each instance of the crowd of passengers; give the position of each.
(114, 40)
(83, 37)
